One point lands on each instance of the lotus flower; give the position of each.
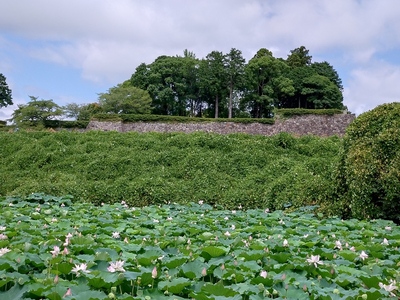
(315, 260)
(116, 266)
(80, 268)
(363, 255)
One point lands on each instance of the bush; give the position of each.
(368, 179)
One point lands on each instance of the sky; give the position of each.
(70, 51)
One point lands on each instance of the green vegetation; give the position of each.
(155, 168)
(191, 251)
(369, 171)
(5, 92)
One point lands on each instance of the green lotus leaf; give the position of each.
(174, 286)
(14, 293)
(174, 262)
(215, 251)
(193, 269)
(219, 290)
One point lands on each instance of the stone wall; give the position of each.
(320, 125)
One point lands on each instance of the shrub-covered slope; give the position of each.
(154, 168)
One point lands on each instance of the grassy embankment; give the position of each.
(154, 168)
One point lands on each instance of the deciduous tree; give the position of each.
(125, 99)
(36, 112)
(5, 92)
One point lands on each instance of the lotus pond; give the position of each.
(53, 248)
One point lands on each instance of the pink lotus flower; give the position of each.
(263, 274)
(56, 251)
(154, 273)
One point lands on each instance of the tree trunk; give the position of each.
(230, 101)
(216, 106)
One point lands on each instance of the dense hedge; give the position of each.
(65, 124)
(368, 177)
(173, 119)
(290, 112)
(155, 168)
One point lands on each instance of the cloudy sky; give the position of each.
(70, 51)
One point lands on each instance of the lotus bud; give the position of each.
(154, 273)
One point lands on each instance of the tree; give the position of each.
(368, 176)
(164, 80)
(213, 79)
(234, 64)
(125, 99)
(36, 112)
(325, 69)
(265, 83)
(81, 111)
(5, 92)
(321, 92)
(299, 57)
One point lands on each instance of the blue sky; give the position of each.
(70, 51)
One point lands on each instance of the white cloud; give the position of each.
(378, 83)
(106, 39)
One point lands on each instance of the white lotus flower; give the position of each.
(80, 268)
(2, 228)
(363, 255)
(338, 245)
(227, 233)
(385, 242)
(3, 236)
(115, 235)
(116, 266)
(314, 260)
(389, 288)
(285, 243)
(4, 251)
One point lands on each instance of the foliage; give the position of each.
(36, 112)
(52, 248)
(224, 85)
(156, 168)
(66, 124)
(5, 92)
(173, 119)
(289, 112)
(81, 112)
(368, 177)
(265, 84)
(125, 99)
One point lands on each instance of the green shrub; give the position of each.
(289, 112)
(158, 168)
(368, 177)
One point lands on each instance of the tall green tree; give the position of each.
(321, 92)
(325, 69)
(299, 57)
(36, 112)
(164, 80)
(5, 92)
(234, 64)
(125, 99)
(190, 78)
(265, 83)
(213, 78)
